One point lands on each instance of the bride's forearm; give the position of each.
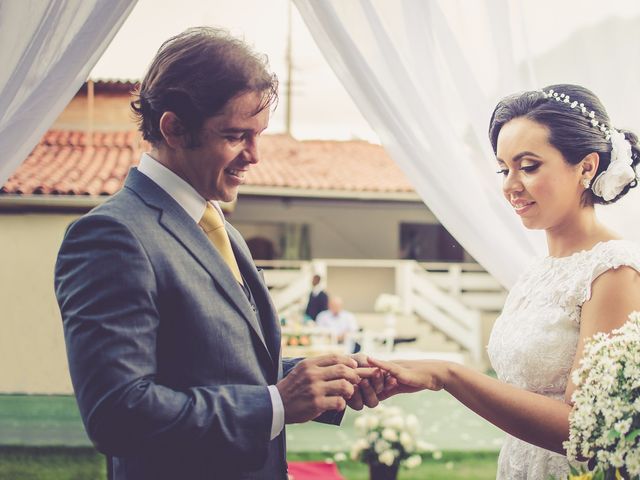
(529, 416)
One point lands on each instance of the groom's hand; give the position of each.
(370, 390)
(316, 385)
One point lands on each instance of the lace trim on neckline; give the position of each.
(582, 252)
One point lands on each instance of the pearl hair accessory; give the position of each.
(620, 172)
(561, 97)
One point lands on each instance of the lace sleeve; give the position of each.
(612, 255)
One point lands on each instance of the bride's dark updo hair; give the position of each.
(570, 131)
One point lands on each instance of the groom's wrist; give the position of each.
(277, 419)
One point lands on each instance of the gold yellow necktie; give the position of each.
(213, 226)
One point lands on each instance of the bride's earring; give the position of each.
(586, 183)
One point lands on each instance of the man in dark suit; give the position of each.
(318, 299)
(172, 339)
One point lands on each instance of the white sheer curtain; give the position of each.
(427, 74)
(47, 48)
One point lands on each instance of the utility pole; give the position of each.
(289, 72)
(90, 109)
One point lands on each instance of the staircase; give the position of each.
(448, 307)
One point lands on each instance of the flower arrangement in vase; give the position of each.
(387, 439)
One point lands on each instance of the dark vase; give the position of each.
(383, 472)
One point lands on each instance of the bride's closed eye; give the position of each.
(530, 168)
(524, 168)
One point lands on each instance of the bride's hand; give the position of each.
(408, 376)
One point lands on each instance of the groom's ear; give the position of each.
(172, 130)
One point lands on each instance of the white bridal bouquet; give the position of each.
(605, 420)
(386, 437)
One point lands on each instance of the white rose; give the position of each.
(340, 457)
(381, 446)
(360, 423)
(413, 461)
(395, 421)
(390, 435)
(387, 458)
(406, 441)
(372, 422)
(361, 444)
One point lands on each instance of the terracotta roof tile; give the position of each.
(64, 163)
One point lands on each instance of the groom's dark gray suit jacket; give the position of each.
(169, 356)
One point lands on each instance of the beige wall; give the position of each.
(32, 354)
(338, 228)
(111, 111)
(359, 287)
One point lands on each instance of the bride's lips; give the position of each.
(522, 207)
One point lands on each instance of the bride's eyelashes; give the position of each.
(524, 168)
(530, 168)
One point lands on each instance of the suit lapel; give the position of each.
(179, 224)
(259, 291)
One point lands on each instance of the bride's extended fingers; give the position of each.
(391, 367)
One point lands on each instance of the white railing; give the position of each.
(424, 298)
(448, 296)
(289, 283)
(469, 283)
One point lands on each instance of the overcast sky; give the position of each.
(263, 24)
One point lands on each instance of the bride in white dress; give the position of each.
(559, 155)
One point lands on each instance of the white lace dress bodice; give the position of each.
(533, 342)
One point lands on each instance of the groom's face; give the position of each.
(228, 147)
(541, 186)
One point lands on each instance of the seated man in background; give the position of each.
(341, 322)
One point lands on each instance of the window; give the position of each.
(429, 242)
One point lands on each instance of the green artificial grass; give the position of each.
(51, 463)
(41, 420)
(42, 438)
(80, 463)
(452, 466)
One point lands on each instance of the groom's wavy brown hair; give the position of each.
(194, 75)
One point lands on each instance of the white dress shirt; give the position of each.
(191, 201)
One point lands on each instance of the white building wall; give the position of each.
(338, 228)
(32, 353)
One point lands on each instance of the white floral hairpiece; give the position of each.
(620, 172)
